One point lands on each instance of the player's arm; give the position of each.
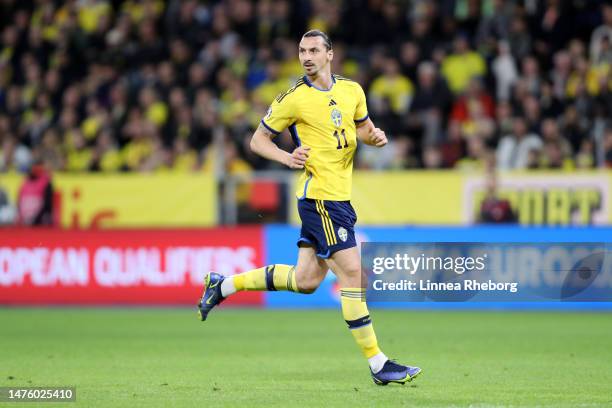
(366, 131)
(370, 134)
(262, 144)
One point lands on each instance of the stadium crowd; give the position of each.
(147, 85)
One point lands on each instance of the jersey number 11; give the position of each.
(337, 136)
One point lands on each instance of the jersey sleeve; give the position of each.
(280, 115)
(361, 112)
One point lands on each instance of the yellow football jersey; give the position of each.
(325, 121)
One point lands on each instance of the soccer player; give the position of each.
(325, 115)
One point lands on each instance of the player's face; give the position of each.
(314, 55)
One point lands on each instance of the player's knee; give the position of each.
(307, 287)
(353, 276)
(307, 284)
(352, 270)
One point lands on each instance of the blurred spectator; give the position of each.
(532, 113)
(602, 35)
(462, 65)
(553, 157)
(476, 157)
(106, 156)
(431, 104)
(186, 158)
(453, 148)
(504, 69)
(375, 159)
(474, 111)
(409, 57)
(494, 209)
(7, 211)
(553, 28)
(557, 150)
(79, 156)
(561, 72)
(550, 104)
(585, 158)
(504, 118)
(403, 154)
(513, 151)
(432, 158)
(35, 199)
(14, 156)
(519, 38)
(49, 152)
(496, 23)
(400, 155)
(530, 72)
(607, 148)
(393, 87)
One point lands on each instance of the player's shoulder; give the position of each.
(346, 82)
(341, 78)
(287, 94)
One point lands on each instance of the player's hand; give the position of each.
(298, 158)
(378, 139)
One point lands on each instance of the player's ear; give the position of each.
(330, 54)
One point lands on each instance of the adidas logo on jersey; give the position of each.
(332, 103)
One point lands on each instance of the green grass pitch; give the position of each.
(167, 358)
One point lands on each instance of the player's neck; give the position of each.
(323, 80)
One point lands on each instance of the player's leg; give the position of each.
(310, 269)
(336, 237)
(343, 258)
(305, 277)
(346, 265)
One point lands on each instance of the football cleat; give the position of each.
(395, 373)
(212, 294)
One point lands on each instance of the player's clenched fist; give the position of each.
(297, 159)
(379, 139)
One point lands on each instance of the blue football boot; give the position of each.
(395, 373)
(212, 294)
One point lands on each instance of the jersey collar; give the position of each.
(310, 84)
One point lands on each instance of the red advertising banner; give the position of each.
(104, 267)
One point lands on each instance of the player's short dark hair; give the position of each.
(319, 33)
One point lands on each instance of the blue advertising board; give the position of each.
(280, 244)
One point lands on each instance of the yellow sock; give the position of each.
(271, 277)
(356, 315)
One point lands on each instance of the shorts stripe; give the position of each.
(323, 222)
(327, 223)
(331, 225)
